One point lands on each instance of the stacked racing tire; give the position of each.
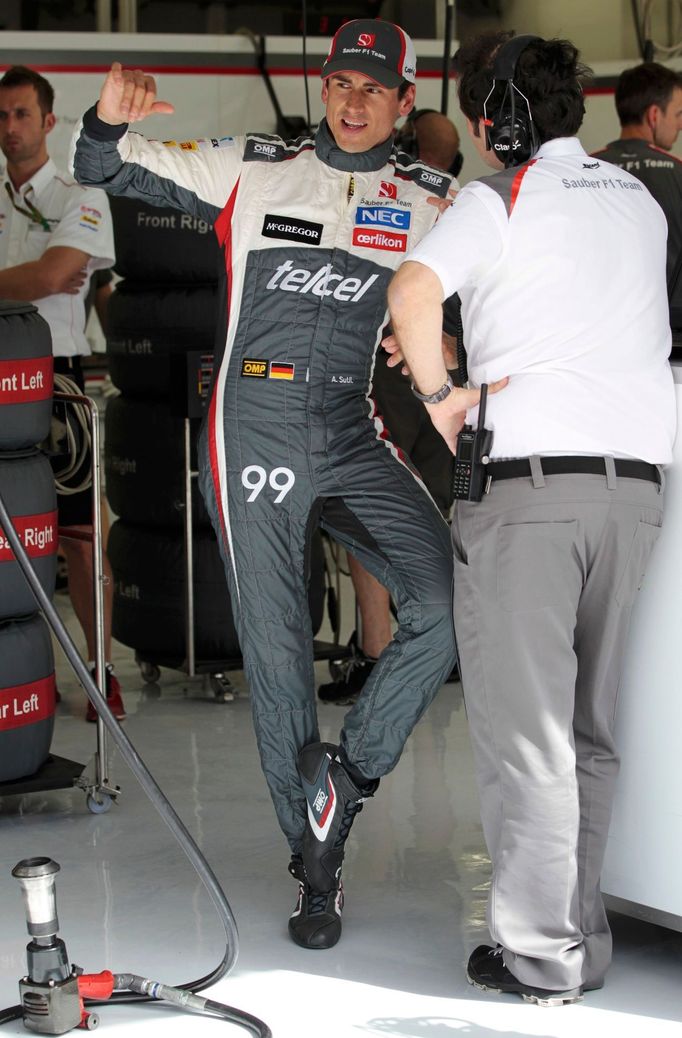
(27, 679)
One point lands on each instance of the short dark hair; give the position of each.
(20, 75)
(548, 73)
(642, 86)
(403, 88)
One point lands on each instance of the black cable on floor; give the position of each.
(148, 783)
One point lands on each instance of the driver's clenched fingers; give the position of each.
(139, 94)
(133, 91)
(149, 96)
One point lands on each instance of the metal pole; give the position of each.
(447, 47)
(103, 16)
(127, 15)
(189, 558)
(101, 777)
(97, 579)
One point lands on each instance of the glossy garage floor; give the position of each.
(416, 878)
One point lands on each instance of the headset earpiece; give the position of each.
(509, 128)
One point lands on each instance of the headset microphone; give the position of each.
(510, 131)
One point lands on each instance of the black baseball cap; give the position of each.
(380, 50)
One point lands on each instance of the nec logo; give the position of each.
(376, 216)
(366, 39)
(377, 239)
(431, 178)
(387, 190)
(265, 149)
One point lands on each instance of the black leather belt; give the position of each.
(555, 465)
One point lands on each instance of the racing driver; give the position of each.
(312, 230)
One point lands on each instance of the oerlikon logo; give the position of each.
(366, 39)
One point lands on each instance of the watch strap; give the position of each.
(434, 398)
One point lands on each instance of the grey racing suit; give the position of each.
(311, 235)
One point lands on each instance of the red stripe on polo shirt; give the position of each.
(516, 183)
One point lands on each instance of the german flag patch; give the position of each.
(285, 371)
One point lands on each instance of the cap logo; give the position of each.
(366, 39)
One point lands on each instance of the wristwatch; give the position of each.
(434, 398)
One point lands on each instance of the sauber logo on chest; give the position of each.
(378, 216)
(291, 229)
(388, 190)
(377, 239)
(322, 282)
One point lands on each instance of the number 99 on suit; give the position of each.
(255, 478)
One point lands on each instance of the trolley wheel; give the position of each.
(222, 688)
(150, 673)
(99, 804)
(91, 1021)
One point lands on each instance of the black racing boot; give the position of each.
(316, 921)
(334, 799)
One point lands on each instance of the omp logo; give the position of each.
(376, 239)
(322, 282)
(265, 149)
(378, 216)
(320, 801)
(387, 190)
(366, 39)
(254, 368)
(431, 178)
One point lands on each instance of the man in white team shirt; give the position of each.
(560, 264)
(53, 235)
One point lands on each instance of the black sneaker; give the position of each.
(348, 687)
(486, 970)
(315, 923)
(333, 802)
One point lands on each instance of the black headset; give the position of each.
(510, 131)
(406, 139)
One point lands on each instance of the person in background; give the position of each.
(559, 260)
(55, 234)
(649, 105)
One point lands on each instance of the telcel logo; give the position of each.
(322, 282)
(380, 217)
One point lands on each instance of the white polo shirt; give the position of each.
(560, 265)
(73, 216)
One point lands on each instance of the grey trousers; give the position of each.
(546, 572)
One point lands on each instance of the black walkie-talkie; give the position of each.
(471, 459)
